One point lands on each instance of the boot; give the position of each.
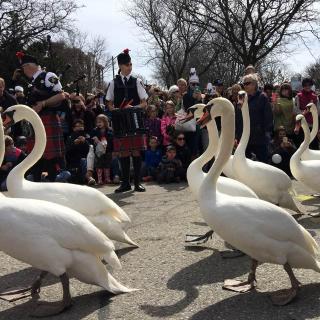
(125, 169)
(99, 175)
(137, 172)
(106, 172)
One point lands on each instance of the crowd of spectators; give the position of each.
(88, 135)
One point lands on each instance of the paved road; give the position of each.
(176, 282)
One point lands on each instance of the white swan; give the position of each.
(260, 229)
(195, 174)
(99, 209)
(309, 154)
(59, 240)
(269, 183)
(305, 171)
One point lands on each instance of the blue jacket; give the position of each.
(153, 158)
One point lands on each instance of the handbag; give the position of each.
(101, 148)
(189, 126)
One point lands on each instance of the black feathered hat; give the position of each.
(25, 58)
(124, 57)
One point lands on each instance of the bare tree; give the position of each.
(23, 22)
(170, 38)
(254, 28)
(313, 71)
(30, 20)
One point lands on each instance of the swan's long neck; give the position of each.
(212, 146)
(39, 146)
(315, 124)
(227, 140)
(304, 145)
(241, 149)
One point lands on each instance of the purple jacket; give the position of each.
(154, 128)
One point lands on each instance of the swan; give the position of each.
(195, 174)
(57, 240)
(99, 209)
(305, 171)
(269, 183)
(262, 230)
(309, 154)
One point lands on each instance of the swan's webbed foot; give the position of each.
(285, 296)
(238, 286)
(45, 309)
(199, 239)
(243, 286)
(15, 294)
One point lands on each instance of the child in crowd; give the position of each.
(167, 123)
(12, 157)
(170, 167)
(283, 147)
(77, 148)
(103, 142)
(152, 159)
(153, 123)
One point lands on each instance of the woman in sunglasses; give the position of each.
(183, 152)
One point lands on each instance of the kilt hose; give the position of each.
(55, 145)
(136, 142)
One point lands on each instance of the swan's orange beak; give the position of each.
(206, 117)
(297, 127)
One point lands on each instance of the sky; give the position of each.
(107, 19)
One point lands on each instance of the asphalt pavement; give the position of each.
(175, 281)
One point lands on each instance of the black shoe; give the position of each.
(123, 188)
(139, 188)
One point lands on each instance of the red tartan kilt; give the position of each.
(136, 142)
(55, 144)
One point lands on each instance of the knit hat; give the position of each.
(193, 78)
(210, 89)
(124, 57)
(25, 58)
(173, 89)
(18, 89)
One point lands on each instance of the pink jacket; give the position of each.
(165, 122)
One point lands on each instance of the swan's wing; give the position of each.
(257, 217)
(69, 228)
(88, 201)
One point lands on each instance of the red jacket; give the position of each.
(304, 99)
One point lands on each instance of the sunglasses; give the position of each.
(246, 83)
(128, 64)
(180, 139)
(194, 84)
